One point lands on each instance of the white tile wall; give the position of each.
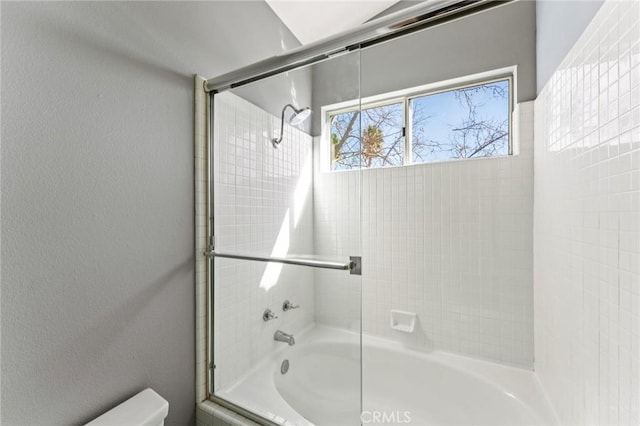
(260, 204)
(587, 224)
(451, 241)
(337, 206)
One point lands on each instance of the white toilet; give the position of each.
(144, 409)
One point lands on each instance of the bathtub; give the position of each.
(400, 386)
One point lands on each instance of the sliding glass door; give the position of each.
(285, 321)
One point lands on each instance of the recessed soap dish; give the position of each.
(403, 321)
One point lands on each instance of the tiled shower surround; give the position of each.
(587, 224)
(449, 241)
(463, 244)
(262, 198)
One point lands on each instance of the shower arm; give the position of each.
(277, 141)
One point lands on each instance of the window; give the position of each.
(382, 141)
(469, 121)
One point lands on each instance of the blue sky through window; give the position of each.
(462, 123)
(468, 122)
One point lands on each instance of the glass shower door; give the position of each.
(286, 289)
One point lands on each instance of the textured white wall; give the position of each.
(97, 184)
(587, 224)
(263, 206)
(450, 241)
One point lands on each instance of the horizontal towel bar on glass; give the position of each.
(352, 265)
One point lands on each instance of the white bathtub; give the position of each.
(399, 386)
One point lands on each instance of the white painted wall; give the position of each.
(587, 224)
(97, 184)
(263, 206)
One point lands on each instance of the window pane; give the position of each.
(345, 141)
(470, 122)
(381, 143)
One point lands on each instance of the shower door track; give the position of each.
(392, 26)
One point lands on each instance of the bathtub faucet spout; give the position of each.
(281, 336)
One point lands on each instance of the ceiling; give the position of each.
(313, 20)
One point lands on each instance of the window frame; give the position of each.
(405, 97)
(360, 107)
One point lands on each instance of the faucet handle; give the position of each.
(268, 315)
(287, 306)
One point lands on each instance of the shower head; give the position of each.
(299, 115)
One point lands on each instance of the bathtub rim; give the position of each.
(518, 382)
(534, 397)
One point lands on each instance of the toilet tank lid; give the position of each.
(144, 409)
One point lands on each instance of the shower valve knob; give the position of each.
(287, 306)
(268, 315)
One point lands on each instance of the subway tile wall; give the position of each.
(587, 224)
(452, 242)
(263, 206)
